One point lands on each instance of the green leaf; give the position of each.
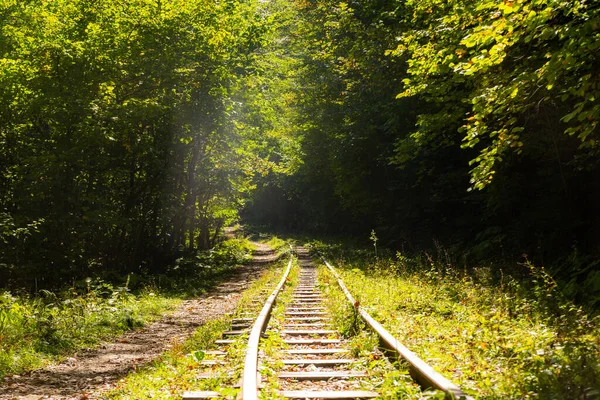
(198, 355)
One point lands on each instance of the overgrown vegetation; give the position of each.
(40, 328)
(179, 369)
(468, 123)
(193, 273)
(495, 339)
(132, 133)
(37, 330)
(277, 243)
(119, 147)
(391, 380)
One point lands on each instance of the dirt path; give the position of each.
(89, 373)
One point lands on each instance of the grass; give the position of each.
(390, 379)
(277, 243)
(179, 369)
(272, 345)
(36, 330)
(506, 339)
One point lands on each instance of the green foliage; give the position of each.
(119, 146)
(131, 134)
(399, 110)
(278, 244)
(193, 273)
(35, 331)
(506, 61)
(495, 339)
(225, 255)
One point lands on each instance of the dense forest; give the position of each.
(460, 126)
(132, 133)
(119, 144)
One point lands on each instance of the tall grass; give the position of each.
(38, 330)
(495, 337)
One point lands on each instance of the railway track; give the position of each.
(301, 355)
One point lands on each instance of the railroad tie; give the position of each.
(316, 355)
(240, 325)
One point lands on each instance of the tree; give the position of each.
(116, 137)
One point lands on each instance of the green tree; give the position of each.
(117, 138)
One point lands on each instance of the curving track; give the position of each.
(317, 364)
(313, 359)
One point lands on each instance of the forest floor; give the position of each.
(503, 336)
(90, 373)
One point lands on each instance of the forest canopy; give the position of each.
(464, 125)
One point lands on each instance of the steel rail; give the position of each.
(424, 374)
(249, 379)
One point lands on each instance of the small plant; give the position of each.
(363, 343)
(397, 385)
(198, 355)
(374, 239)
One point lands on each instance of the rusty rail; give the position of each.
(250, 379)
(424, 374)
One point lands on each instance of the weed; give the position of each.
(374, 239)
(36, 331)
(506, 339)
(180, 369)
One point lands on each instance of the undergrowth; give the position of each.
(496, 339)
(37, 329)
(390, 379)
(277, 243)
(193, 274)
(180, 368)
